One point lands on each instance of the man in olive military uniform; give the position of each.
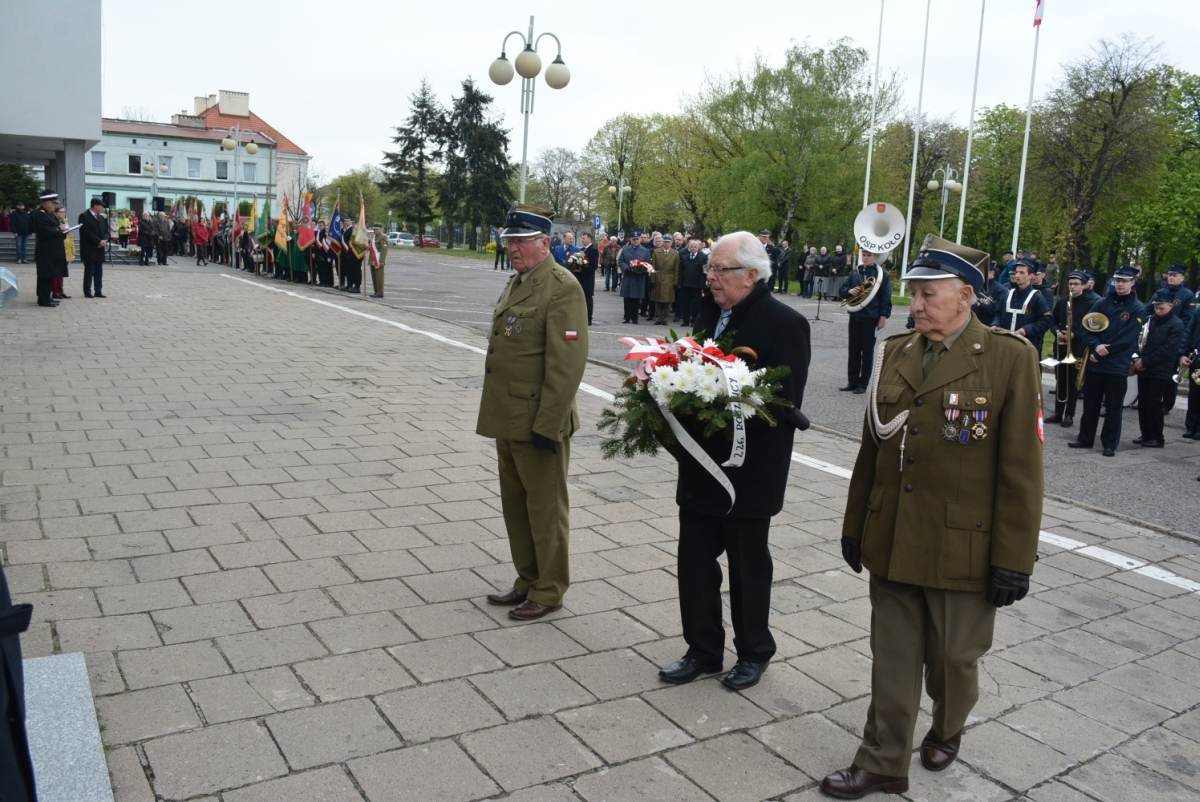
(953, 434)
(535, 360)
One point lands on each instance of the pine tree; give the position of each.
(475, 187)
(409, 168)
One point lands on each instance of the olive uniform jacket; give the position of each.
(666, 275)
(536, 355)
(935, 511)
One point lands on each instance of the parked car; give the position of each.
(426, 241)
(405, 240)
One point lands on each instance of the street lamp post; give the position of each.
(528, 65)
(948, 184)
(232, 142)
(619, 191)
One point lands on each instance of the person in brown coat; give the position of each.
(664, 280)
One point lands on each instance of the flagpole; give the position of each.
(874, 102)
(962, 200)
(912, 179)
(1037, 34)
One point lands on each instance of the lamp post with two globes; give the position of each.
(232, 142)
(528, 65)
(948, 184)
(619, 191)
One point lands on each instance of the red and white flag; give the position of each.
(1038, 12)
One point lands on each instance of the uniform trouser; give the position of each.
(662, 311)
(161, 251)
(689, 304)
(702, 538)
(631, 309)
(1192, 422)
(501, 259)
(917, 631)
(533, 496)
(45, 284)
(780, 279)
(1109, 390)
(862, 350)
(377, 280)
(93, 277)
(325, 272)
(1153, 397)
(1067, 377)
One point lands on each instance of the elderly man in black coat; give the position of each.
(93, 236)
(738, 311)
(51, 235)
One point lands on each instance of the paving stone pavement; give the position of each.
(269, 526)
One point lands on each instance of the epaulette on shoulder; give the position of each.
(1012, 334)
(906, 333)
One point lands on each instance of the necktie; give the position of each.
(722, 322)
(933, 355)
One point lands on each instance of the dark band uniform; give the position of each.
(1027, 309)
(944, 510)
(864, 323)
(1183, 299)
(1067, 398)
(535, 361)
(1108, 376)
(1158, 357)
(1191, 349)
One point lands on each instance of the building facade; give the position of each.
(148, 166)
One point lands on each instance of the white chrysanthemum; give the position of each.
(711, 385)
(687, 377)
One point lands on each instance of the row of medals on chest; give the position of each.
(962, 426)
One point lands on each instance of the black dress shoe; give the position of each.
(99, 295)
(512, 597)
(859, 390)
(745, 674)
(1189, 436)
(1110, 452)
(1151, 444)
(1137, 441)
(937, 754)
(87, 295)
(1077, 444)
(47, 303)
(855, 783)
(847, 388)
(1053, 419)
(1067, 423)
(686, 669)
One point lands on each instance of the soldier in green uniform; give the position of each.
(535, 360)
(662, 283)
(944, 508)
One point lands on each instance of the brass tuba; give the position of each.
(878, 228)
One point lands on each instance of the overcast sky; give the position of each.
(336, 77)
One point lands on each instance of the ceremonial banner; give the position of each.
(281, 230)
(307, 235)
(254, 214)
(360, 241)
(1039, 11)
(335, 227)
(264, 219)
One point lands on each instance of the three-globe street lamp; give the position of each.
(619, 191)
(948, 184)
(528, 65)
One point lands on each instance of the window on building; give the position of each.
(98, 161)
(249, 170)
(135, 164)
(193, 168)
(164, 165)
(222, 170)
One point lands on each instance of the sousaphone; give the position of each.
(878, 228)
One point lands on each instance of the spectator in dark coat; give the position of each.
(147, 238)
(51, 252)
(693, 266)
(93, 237)
(22, 226)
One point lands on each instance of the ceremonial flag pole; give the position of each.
(874, 102)
(962, 200)
(1037, 32)
(912, 179)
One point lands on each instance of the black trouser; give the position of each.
(93, 277)
(1109, 390)
(631, 309)
(862, 350)
(501, 260)
(161, 251)
(147, 252)
(781, 279)
(1153, 396)
(689, 304)
(702, 538)
(1067, 378)
(1192, 422)
(45, 284)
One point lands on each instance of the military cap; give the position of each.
(941, 258)
(1033, 264)
(1162, 297)
(637, 233)
(1079, 275)
(1177, 269)
(48, 196)
(521, 223)
(766, 232)
(1125, 272)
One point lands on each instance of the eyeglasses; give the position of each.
(715, 269)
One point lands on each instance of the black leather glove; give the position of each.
(794, 417)
(1006, 587)
(539, 441)
(852, 554)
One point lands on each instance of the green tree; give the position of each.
(1100, 133)
(409, 168)
(349, 187)
(475, 186)
(557, 171)
(619, 152)
(17, 185)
